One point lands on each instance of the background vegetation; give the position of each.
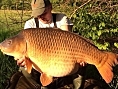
(96, 20)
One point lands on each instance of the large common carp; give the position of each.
(57, 53)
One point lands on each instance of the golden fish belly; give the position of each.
(56, 67)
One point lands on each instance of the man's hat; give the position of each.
(38, 7)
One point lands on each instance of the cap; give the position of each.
(38, 7)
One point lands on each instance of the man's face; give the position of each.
(46, 17)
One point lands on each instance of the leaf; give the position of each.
(94, 28)
(99, 32)
(103, 24)
(93, 36)
(116, 45)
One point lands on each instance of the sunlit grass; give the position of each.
(13, 19)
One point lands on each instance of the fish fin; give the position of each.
(28, 65)
(106, 68)
(106, 73)
(45, 79)
(37, 68)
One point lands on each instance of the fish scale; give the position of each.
(61, 44)
(57, 53)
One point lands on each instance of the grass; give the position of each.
(11, 22)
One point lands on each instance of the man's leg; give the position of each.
(79, 78)
(33, 77)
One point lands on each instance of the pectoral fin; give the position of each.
(45, 79)
(28, 65)
(37, 68)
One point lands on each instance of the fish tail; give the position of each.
(105, 67)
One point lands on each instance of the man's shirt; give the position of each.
(61, 19)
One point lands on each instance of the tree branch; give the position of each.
(79, 8)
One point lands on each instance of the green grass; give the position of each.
(13, 20)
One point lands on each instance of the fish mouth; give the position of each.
(1, 48)
(5, 53)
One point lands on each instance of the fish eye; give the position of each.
(9, 42)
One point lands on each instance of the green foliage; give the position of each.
(116, 45)
(99, 22)
(96, 26)
(55, 1)
(15, 4)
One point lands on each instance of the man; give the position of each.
(41, 9)
(44, 18)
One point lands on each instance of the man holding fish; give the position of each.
(44, 18)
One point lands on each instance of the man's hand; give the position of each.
(83, 64)
(21, 62)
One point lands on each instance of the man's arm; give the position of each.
(67, 27)
(64, 22)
